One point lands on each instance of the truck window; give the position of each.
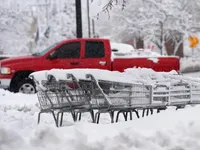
(69, 50)
(94, 49)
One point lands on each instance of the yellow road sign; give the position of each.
(194, 41)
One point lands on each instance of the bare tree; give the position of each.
(159, 21)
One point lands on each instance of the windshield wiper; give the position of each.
(36, 54)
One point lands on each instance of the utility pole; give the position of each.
(88, 16)
(89, 22)
(47, 3)
(161, 38)
(93, 26)
(78, 19)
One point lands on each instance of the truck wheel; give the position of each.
(26, 86)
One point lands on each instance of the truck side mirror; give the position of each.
(52, 56)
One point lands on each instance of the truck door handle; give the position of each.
(102, 63)
(74, 63)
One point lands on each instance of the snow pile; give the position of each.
(189, 64)
(8, 99)
(121, 48)
(131, 75)
(149, 76)
(145, 53)
(168, 130)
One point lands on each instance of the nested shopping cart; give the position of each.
(90, 94)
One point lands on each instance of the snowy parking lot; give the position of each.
(153, 28)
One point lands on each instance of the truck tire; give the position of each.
(26, 86)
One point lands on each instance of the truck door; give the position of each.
(95, 56)
(66, 56)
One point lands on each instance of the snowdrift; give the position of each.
(168, 130)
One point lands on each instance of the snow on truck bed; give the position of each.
(121, 50)
(126, 51)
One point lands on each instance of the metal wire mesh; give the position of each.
(174, 94)
(180, 93)
(160, 94)
(119, 94)
(53, 99)
(53, 93)
(44, 101)
(195, 94)
(93, 94)
(126, 94)
(102, 93)
(74, 93)
(77, 95)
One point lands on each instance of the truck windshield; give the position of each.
(44, 51)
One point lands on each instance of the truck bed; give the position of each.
(160, 63)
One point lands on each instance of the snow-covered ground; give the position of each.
(170, 129)
(189, 64)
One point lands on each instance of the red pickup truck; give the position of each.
(74, 53)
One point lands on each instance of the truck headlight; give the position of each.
(5, 70)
